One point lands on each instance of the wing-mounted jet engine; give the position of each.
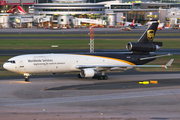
(89, 72)
(145, 44)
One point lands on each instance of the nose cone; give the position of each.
(5, 66)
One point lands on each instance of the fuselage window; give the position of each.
(11, 61)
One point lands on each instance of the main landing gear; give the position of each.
(97, 76)
(100, 77)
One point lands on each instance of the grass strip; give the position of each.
(77, 44)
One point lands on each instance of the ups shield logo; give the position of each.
(150, 35)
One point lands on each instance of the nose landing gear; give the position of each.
(26, 77)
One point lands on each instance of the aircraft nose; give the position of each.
(4, 65)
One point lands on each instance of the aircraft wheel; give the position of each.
(100, 78)
(95, 77)
(105, 77)
(79, 76)
(27, 79)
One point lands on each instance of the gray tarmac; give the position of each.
(121, 97)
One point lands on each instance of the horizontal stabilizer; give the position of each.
(157, 43)
(146, 58)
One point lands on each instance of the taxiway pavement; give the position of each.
(86, 37)
(80, 31)
(14, 52)
(38, 100)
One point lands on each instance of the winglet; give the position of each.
(169, 63)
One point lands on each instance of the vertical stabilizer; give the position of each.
(149, 34)
(133, 20)
(12, 9)
(20, 9)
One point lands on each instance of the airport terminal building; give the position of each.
(79, 10)
(114, 11)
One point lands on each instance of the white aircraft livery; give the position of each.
(93, 65)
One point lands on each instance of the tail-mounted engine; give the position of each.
(143, 47)
(145, 43)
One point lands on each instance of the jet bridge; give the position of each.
(90, 22)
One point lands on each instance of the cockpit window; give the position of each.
(11, 61)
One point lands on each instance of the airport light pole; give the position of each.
(5, 6)
(21, 3)
(68, 13)
(91, 40)
(126, 17)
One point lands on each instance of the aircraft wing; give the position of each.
(109, 67)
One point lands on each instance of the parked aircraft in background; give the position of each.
(12, 10)
(93, 65)
(131, 24)
(21, 10)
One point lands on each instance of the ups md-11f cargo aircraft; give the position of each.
(93, 65)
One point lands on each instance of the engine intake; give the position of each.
(142, 47)
(87, 73)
